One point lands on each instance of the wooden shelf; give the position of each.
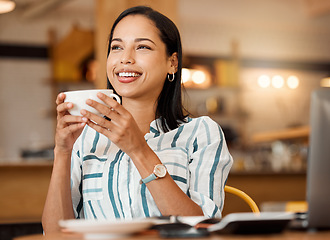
(285, 134)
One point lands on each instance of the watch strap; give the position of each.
(150, 178)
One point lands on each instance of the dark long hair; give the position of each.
(169, 105)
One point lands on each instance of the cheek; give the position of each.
(160, 69)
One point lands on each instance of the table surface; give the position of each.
(287, 235)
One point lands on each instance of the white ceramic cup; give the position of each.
(78, 98)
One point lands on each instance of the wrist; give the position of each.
(62, 158)
(159, 171)
(62, 152)
(141, 154)
(61, 164)
(145, 161)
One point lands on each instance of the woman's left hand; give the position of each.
(122, 130)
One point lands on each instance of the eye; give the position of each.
(115, 47)
(144, 47)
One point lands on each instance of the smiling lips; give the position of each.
(127, 77)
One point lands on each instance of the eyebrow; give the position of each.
(136, 40)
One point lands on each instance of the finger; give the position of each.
(109, 133)
(75, 127)
(104, 110)
(111, 103)
(64, 107)
(70, 120)
(69, 130)
(60, 98)
(99, 128)
(96, 119)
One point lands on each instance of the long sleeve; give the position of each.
(209, 167)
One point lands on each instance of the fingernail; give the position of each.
(100, 95)
(88, 101)
(84, 119)
(83, 112)
(69, 105)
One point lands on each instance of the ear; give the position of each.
(173, 63)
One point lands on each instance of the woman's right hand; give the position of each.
(58, 203)
(68, 127)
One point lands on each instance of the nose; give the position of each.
(127, 57)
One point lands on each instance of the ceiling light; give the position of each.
(277, 81)
(293, 82)
(6, 6)
(264, 81)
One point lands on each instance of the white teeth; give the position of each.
(128, 74)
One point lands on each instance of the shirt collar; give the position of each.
(154, 127)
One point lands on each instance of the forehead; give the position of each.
(138, 26)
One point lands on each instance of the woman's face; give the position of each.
(137, 65)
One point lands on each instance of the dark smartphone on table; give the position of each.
(184, 233)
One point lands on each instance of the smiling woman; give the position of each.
(165, 37)
(149, 159)
(131, 62)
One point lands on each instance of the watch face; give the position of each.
(160, 170)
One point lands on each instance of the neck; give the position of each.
(142, 112)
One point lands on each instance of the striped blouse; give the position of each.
(105, 182)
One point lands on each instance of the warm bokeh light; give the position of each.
(212, 105)
(292, 82)
(185, 75)
(6, 6)
(325, 82)
(198, 77)
(195, 78)
(277, 81)
(264, 81)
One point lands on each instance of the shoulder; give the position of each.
(202, 122)
(204, 128)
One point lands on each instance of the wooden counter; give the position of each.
(24, 187)
(283, 134)
(23, 190)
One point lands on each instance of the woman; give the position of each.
(149, 159)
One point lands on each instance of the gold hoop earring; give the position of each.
(171, 79)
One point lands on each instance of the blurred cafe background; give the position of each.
(251, 65)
